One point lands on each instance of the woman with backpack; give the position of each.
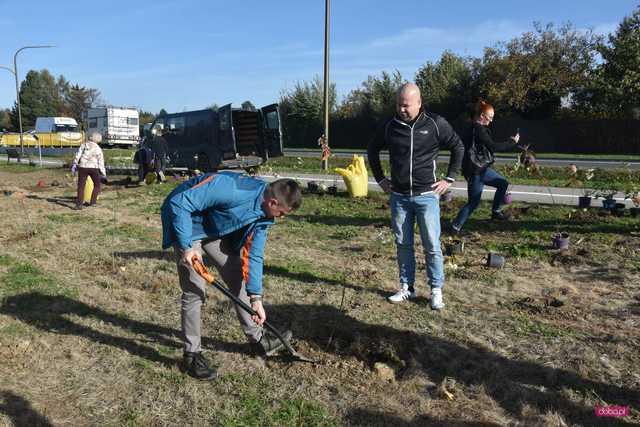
(476, 165)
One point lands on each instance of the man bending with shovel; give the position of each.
(227, 216)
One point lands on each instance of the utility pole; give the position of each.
(15, 73)
(325, 136)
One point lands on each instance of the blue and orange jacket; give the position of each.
(215, 206)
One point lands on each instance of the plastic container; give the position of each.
(608, 203)
(618, 209)
(561, 241)
(584, 202)
(495, 261)
(454, 248)
(312, 186)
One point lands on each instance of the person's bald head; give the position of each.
(408, 102)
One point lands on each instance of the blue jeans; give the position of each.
(475, 185)
(405, 211)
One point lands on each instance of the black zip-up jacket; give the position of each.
(482, 136)
(413, 152)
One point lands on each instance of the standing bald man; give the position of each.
(414, 138)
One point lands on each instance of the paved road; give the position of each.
(502, 158)
(521, 193)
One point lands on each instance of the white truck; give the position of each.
(118, 125)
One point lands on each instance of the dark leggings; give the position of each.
(83, 173)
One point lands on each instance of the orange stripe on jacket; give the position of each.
(245, 258)
(203, 182)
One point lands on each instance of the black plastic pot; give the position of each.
(495, 260)
(333, 190)
(454, 248)
(618, 209)
(634, 212)
(447, 197)
(608, 203)
(561, 241)
(312, 186)
(584, 202)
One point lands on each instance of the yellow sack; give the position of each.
(355, 177)
(150, 178)
(88, 190)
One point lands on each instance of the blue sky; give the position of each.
(188, 54)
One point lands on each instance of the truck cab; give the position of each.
(209, 140)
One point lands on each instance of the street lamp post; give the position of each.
(325, 161)
(15, 73)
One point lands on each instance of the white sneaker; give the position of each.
(402, 295)
(436, 299)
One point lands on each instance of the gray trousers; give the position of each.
(194, 290)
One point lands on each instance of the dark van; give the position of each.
(209, 140)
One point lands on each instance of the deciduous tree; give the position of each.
(531, 74)
(620, 72)
(374, 99)
(39, 97)
(446, 85)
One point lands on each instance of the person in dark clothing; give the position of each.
(145, 159)
(414, 138)
(479, 133)
(160, 149)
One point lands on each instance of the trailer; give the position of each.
(117, 125)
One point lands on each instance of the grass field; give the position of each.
(89, 319)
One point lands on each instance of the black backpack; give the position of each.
(479, 157)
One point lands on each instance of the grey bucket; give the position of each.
(495, 261)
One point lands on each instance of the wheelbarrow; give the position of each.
(200, 268)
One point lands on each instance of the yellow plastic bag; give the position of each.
(88, 190)
(355, 177)
(150, 178)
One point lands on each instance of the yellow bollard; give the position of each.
(355, 177)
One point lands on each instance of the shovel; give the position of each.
(208, 277)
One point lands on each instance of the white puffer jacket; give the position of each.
(90, 156)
